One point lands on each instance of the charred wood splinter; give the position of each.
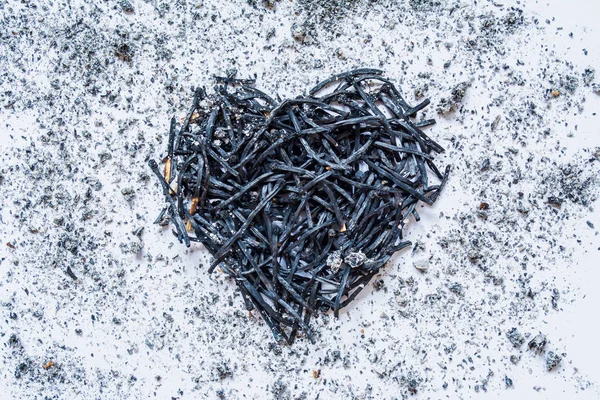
(301, 201)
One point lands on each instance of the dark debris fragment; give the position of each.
(515, 337)
(126, 6)
(555, 201)
(538, 343)
(552, 360)
(124, 52)
(588, 76)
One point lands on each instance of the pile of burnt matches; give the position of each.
(300, 201)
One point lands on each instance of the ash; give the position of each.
(96, 301)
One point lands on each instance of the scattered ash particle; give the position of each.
(275, 349)
(552, 360)
(14, 342)
(335, 261)
(515, 337)
(124, 52)
(418, 247)
(421, 265)
(485, 164)
(570, 83)
(589, 223)
(555, 201)
(223, 371)
(576, 181)
(326, 14)
(588, 76)
(128, 193)
(449, 104)
(299, 33)
(456, 288)
(23, 369)
(412, 382)
(425, 5)
(79, 77)
(378, 284)
(133, 247)
(70, 273)
(494, 125)
(279, 389)
(538, 343)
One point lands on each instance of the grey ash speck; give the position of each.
(299, 33)
(570, 83)
(223, 371)
(133, 247)
(24, 369)
(128, 193)
(555, 201)
(538, 343)
(124, 52)
(588, 76)
(335, 261)
(279, 389)
(552, 360)
(574, 182)
(326, 14)
(421, 265)
(378, 284)
(126, 6)
(425, 5)
(355, 259)
(515, 337)
(449, 104)
(81, 84)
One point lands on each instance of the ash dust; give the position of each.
(96, 301)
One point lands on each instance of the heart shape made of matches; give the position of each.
(300, 201)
